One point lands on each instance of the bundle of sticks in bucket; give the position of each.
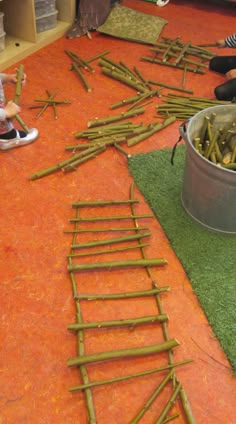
(217, 144)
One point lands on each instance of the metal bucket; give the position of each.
(209, 191)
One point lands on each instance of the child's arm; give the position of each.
(229, 41)
(11, 78)
(6, 78)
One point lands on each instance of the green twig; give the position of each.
(111, 241)
(20, 77)
(122, 353)
(47, 104)
(118, 264)
(63, 164)
(75, 67)
(101, 230)
(110, 218)
(101, 252)
(126, 295)
(132, 322)
(102, 203)
(127, 377)
(169, 404)
(160, 387)
(83, 371)
(115, 118)
(186, 407)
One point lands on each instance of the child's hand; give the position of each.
(11, 109)
(231, 74)
(12, 78)
(220, 43)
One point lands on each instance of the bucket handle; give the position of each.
(182, 130)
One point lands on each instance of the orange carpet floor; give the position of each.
(36, 294)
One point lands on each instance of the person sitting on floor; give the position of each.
(225, 65)
(9, 136)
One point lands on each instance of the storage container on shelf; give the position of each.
(2, 41)
(1, 22)
(2, 33)
(46, 22)
(44, 7)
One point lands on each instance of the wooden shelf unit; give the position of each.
(19, 23)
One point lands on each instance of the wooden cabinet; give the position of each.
(19, 23)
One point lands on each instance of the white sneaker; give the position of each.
(19, 141)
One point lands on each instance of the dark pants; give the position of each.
(223, 64)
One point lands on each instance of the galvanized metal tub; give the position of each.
(209, 191)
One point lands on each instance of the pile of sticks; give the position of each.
(176, 54)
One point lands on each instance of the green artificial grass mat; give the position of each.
(209, 258)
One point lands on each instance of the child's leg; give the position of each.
(222, 64)
(226, 91)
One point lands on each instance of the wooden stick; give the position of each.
(101, 230)
(124, 79)
(110, 241)
(101, 252)
(118, 264)
(115, 118)
(74, 164)
(98, 56)
(122, 353)
(172, 87)
(63, 164)
(102, 203)
(172, 65)
(127, 377)
(81, 76)
(53, 105)
(186, 407)
(53, 101)
(20, 76)
(21, 122)
(118, 323)
(47, 104)
(155, 128)
(169, 404)
(126, 295)
(182, 52)
(83, 370)
(156, 392)
(207, 45)
(110, 218)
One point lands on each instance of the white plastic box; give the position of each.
(2, 41)
(2, 33)
(46, 22)
(1, 22)
(44, 7)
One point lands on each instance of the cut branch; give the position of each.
(127, 295)
(118, 264)
(122, 353)
(132, 322)
(127, 377)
